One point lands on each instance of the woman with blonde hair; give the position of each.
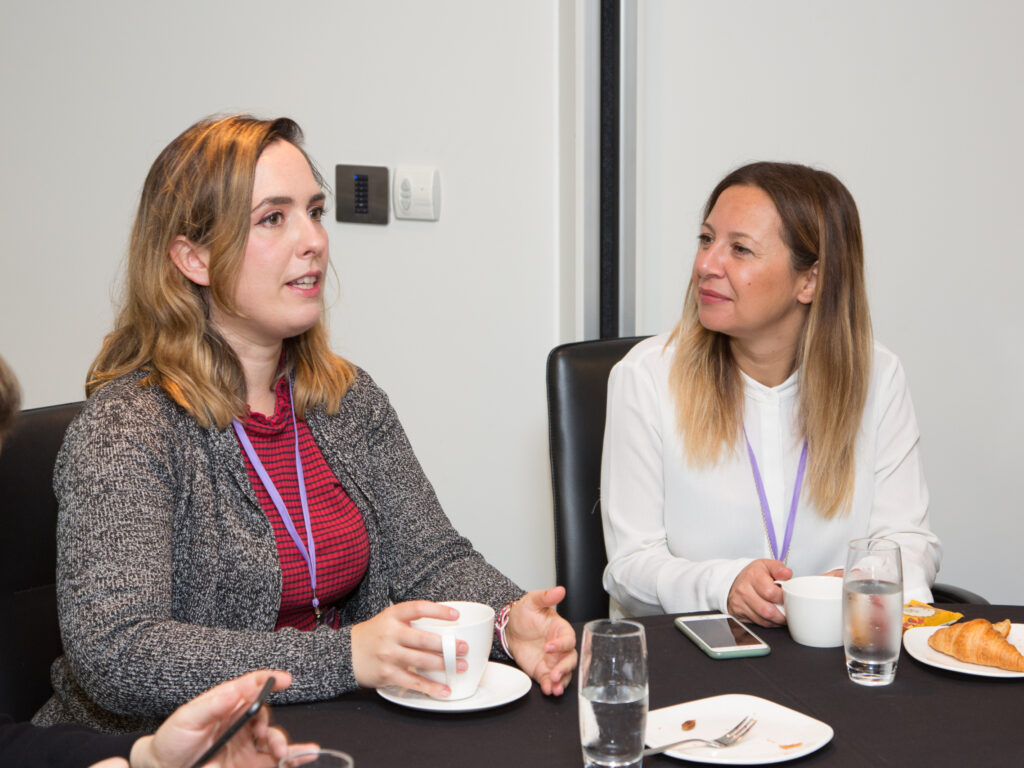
(768, 429)
(234, 496)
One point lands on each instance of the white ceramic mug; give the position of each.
(814, 610)
(475, 626)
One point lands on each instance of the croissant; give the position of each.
(979, 642)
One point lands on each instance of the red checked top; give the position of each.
(342, 547)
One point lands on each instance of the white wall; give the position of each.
(917, 106)
(454, 319)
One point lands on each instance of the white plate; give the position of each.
(499, 685)
(915, 640)
(780, 734)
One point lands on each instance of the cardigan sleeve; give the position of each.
(643, 575)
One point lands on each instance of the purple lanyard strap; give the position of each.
(769, 527)
(309, 555)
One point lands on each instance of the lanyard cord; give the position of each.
(769, 527)
(309, 555)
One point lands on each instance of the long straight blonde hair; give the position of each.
(200, 186)
(820, 225)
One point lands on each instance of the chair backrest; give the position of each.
(29, 633)
(577, 392)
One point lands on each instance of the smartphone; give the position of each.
(247, 714)
(721, 636)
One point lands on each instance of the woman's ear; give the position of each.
(810, 285)
(191, 260)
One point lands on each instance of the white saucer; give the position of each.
(780, 733)
(499, 685)
(915, 640)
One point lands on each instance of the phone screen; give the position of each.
(723, 632)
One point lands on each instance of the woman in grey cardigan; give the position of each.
(182, 738)
(171, 567)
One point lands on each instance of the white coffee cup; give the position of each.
(475, 626)
(814, 610)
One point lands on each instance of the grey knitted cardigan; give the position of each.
(168, 579)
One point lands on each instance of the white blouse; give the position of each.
(678, 535)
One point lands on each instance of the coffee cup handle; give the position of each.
(448, 650)
(780, 606)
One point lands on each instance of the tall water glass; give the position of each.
(872, 610)
(613, 693)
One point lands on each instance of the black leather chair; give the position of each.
(29, 634)
(947, 593)
(577, 378)
(577, 391)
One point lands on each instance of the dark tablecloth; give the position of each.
(927, 717)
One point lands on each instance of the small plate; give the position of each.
(499, 685)
(780, 734)
(915, 640)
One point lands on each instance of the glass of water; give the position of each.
(872, 610)
(613, 693)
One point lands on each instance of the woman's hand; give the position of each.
(541, 641)
(194, 726)
(386, 649)
(754, 595)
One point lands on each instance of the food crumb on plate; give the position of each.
(794, 745)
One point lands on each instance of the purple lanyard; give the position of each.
(308, 555)
(769, 527)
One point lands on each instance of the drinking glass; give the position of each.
(872, 610)
(613, 693)
(317, 758)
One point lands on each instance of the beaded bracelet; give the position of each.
(499, 626)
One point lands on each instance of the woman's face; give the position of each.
(282, 273)
(743, 277)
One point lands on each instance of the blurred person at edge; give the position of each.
(180, 740)
(235, 496)
(766, 431)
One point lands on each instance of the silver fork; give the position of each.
(727, 739)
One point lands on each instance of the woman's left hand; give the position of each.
(541, 641)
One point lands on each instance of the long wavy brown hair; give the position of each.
(200, 187)
(820, 225)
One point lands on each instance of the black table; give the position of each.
(928, 717)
